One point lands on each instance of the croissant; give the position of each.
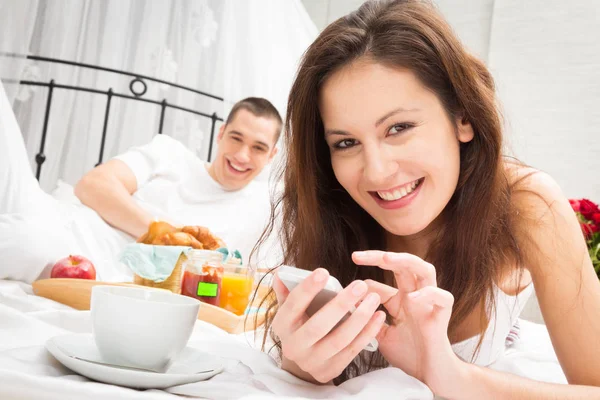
(155, 230)
(204, 236)
(177, 239)
(164, 234)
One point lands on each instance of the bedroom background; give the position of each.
(231, 49)
(545, 55)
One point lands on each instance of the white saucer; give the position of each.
(191, 366)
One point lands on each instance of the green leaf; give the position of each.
(594, 251)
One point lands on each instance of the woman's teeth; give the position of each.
(399, 193)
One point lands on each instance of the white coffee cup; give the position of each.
(143, 328)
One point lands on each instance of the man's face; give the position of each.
(246, 146)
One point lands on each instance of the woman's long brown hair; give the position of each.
(320, 224)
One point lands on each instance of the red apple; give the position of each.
(74, 266)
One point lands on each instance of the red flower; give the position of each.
(596, 218)
(588, 229)
(588, 209)
(575, 205)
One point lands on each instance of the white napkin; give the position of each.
(151, 262)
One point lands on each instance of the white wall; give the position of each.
(324, 12)
(545, 56)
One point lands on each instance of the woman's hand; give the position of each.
(416, 341)
(308, 346)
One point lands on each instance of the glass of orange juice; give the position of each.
(236, 287)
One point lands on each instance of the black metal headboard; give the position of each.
(138, 88)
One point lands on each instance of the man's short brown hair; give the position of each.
(259, 107)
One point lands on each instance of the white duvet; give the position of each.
(57, 226)
(28, 371)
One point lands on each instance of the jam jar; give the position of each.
(203, 276)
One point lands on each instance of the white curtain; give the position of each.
(228, 48)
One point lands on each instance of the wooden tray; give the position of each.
(76, 293)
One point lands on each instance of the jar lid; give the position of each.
(205, 255)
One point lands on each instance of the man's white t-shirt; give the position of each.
(175, 186)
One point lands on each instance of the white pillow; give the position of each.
(30, 245)
(65, 192)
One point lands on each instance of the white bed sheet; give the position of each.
(28, 371)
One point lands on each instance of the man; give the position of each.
(164, 180)
(161, 180)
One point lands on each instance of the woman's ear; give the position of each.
(464, 130)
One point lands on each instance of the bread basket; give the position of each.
(172, 283)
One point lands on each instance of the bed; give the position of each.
(138, 88)
(28, 371)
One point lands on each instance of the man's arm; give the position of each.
(107, 189)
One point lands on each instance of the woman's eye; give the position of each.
(344, 144)
(399, 128)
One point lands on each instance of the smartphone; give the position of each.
(292, 276)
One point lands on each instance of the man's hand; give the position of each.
(107, 189)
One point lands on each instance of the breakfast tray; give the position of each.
(76, 293)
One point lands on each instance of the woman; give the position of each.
(396, 185)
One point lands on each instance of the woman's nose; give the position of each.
(377, 168)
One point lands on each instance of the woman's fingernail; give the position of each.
(380, 318)
(372, 299)
(412, 295)
(359, 288)
(320, 275)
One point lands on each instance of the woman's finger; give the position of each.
(344, 334)
(432, 302)
(342, 359)
(390, 297)
(398, 263)
(326, 318)
(293, 310)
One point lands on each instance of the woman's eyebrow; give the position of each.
(391, 113)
